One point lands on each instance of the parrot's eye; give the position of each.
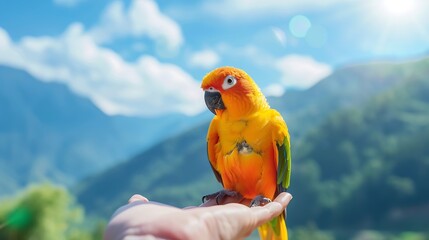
(229, 82)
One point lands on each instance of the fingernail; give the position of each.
(287, 197)
(137, 197)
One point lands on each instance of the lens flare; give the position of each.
(299, 26)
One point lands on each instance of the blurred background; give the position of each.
(100, 100)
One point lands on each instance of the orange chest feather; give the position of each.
(245, 156)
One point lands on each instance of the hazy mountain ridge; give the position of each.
(49, 133)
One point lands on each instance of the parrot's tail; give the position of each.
(274, 229)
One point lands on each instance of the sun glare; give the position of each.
(398, 9)
(395, 25)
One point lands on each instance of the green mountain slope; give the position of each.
(367, 168)
(327, 162)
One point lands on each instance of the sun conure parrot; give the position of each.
(248, 143)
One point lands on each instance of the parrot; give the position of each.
(248, 144)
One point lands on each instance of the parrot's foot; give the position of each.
(259, 201)
(221, 196)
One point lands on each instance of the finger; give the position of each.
(283, 198)
(137, 197)
(273, 209)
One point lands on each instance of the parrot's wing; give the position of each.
(281, 145)
(284, 164)
(212, 140)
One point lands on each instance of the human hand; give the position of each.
(142, 219)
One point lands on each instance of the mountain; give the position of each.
(49, 133)
(176, 171)
(367, 167)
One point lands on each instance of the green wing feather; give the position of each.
(284, 164)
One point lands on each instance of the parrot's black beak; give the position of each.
(213, 101)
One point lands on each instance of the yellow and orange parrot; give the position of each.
(248, 143)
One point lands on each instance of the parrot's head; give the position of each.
(233, 90)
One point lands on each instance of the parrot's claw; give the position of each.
(209, 197)
(221, 195)
(259, 201)
(228, 193)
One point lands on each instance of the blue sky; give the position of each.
(146, 57)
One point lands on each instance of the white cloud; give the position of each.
(142, 19)
(76, 58)
(67, 3)
(143, 87)
(301, 71)
(275, 90)
(251, 9)
(204, 59)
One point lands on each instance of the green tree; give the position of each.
(42, 212)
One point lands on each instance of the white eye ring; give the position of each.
(229, 82)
